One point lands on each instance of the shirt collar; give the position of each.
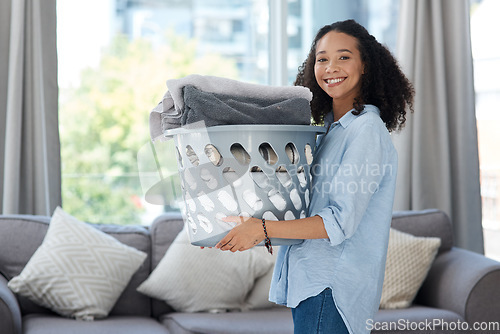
(345, 120)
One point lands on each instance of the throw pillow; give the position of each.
(78, 271)
(191, 279)
(409, 259)
(258, 297)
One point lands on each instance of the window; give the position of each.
(114, 60)
(486, 57)
(116, 55)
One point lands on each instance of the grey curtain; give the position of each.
(438, 150)
(30, 173)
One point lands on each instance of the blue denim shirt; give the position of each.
(352, 189)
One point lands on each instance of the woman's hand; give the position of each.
(247, 233)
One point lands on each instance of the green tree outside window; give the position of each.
(104, 122)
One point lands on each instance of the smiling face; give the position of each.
(338, 69)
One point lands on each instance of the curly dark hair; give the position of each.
(383, 84)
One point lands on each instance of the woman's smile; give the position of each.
(333, 82)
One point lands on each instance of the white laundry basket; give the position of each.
(261, 171)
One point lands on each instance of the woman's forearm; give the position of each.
(305, 228)
(249, 231)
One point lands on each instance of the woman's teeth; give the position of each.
(333, 81)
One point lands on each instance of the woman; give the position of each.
(333, 279)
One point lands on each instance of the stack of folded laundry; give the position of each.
(211, 101)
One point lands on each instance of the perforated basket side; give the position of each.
(258, 170)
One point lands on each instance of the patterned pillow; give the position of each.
(409, 259)
(258, 297)
(191, 279)
(78, 271)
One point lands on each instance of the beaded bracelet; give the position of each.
(267, 241)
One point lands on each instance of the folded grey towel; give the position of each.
(222, 109)
(167, 113)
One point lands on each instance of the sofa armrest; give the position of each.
(10, 313)
(464, 282)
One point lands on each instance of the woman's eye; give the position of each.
(344, 57)
(321, 60)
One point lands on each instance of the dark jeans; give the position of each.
(318, 315)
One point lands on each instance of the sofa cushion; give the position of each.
(279, 321)
(192, 279)
(46, 324)
(271, 321)
(78, 270)
(258, 297)
(414, 319)
(425, 223)
(408, 261)
(21, 235)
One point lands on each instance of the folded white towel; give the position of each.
(172, 103)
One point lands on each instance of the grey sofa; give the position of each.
(461, 286)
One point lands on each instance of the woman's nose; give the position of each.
(331, 68)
